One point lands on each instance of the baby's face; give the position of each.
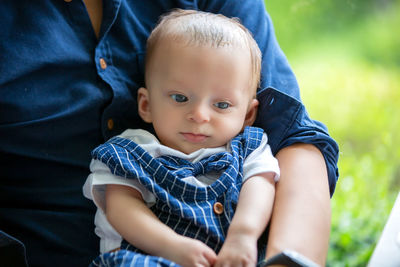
(199, 97)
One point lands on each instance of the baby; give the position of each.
(200, 192)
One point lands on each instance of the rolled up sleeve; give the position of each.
(287, 122)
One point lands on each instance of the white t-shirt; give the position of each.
(259, 161)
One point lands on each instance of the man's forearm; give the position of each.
(302, 213)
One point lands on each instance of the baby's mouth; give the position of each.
(194, 138)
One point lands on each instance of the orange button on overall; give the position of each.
(218, 208)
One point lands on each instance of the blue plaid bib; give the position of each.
(203, 213)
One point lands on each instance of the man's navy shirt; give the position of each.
(63, 92)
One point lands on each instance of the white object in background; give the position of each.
(387, 251)
(398, 239)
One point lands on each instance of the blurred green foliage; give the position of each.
(346, 56)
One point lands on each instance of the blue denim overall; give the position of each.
(203, 213)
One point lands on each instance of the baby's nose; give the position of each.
(200, 114)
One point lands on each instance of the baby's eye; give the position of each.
(179, 98)
(222, 105)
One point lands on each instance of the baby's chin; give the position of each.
(189, 146)
(193, 148)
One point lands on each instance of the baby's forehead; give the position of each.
(170, 50)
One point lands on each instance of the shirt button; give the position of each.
(110, 124)
(103, 63)
(218, 208)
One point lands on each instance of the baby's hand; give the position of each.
(238, 250)
(192, 253)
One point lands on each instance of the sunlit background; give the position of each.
(346, 56)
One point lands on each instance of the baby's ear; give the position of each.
(251, 113)
(144, 105)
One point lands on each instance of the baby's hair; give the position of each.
(198, 28)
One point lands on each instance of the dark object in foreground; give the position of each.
(289, 258)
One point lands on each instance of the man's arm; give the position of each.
(302, 213)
